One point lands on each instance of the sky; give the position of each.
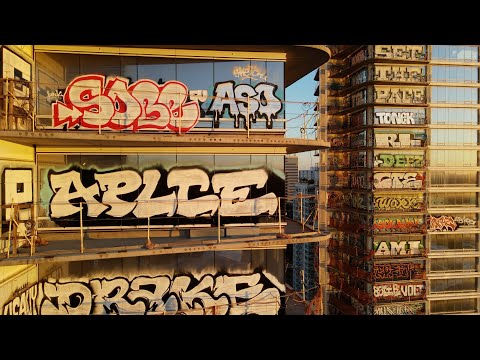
(301, 91)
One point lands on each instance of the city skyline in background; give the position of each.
(296, 95)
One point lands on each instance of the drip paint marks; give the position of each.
(245, 101)
(111, 103)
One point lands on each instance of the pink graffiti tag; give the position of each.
(442, 223)
(93, 102)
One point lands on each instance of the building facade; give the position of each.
(147, 180)
(403, 179)
(291, 176)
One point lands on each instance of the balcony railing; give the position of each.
(221, 227)
(26, 105)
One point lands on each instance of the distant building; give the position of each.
(291, 175)
(310, 174)
(403, 179)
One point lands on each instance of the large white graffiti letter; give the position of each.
(60, 205)
(233, 201)
(127, 108)
(66, 299)
(224, 96)
(118, 183)
(152, 299)
(270, 105)
(85, 95)
(260, 302)
(155, 115)
(185, 115)
(148, 207)
(198, 300)
(109, 296)
(246, 92)
(186, 178)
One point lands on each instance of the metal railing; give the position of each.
(219, 214)
(16, 105)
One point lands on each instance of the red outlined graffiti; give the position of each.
(402, 271)
(398, 225)
(95, 102)
(442, 223)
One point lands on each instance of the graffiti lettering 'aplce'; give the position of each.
(93, 101)
(106, 193)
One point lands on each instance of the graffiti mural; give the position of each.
(359, 181)
(400, 309)
(409, 224)
(410, 202)
(399, 118)
(405, 52)
(258, 293)
(411, 139)
(441, 223)
(399, 160)
(245, 101)
(349, 200)
(111, 103)
(398, 180)
(402, 73)
(398, 271)
(95, 101)
(464, 221)
(23, 303)
(358, 57)
(356, 201)
(400, 95)
(399, 291)
(398, 248)
(185, 192)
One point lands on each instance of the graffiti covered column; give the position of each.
(377, 182)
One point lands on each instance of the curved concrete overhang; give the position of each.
(114, 139)
(301, 59)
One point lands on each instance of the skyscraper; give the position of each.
(403, 179)
(147, 179)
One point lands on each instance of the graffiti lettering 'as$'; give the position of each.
(93, 102)
(245, 102)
